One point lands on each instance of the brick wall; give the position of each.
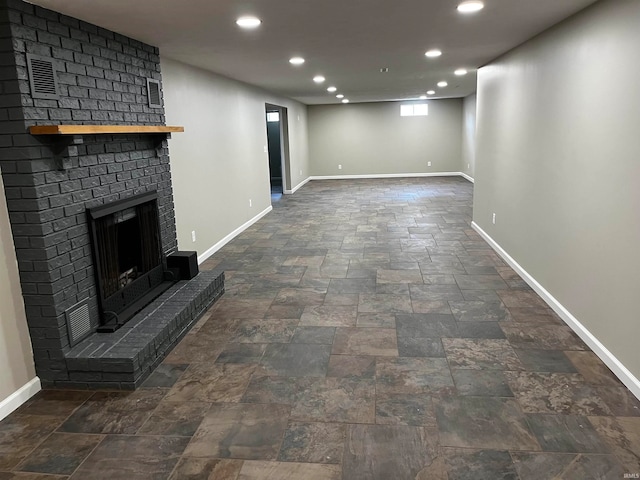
(102, 80)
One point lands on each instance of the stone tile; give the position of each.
(420, 347)
(175, 418)
(200, 347)
(329, 316)
(240, 431)
(206, 469)
(542, 466)
(384, 303)
(234, 307)
(622, 435)
(165, 375)
(296, 360)
(393, 288)
(352, 286)
(545, 361)
(54, 402)
(383, 452)
(565, 433)
(398, 276)
(30, 476)
(365, 341)
(426, 325)
(249, 353)
(354, 367)
(255, 470)
(131, 457)
(413, 376)
(263, 331)
(313, 443)
(480, 282)
(336, 400)
(480, 330)
(341, 299)
(314, 335)
(114, 412)
(520, 298)
(483, 422)
(281, 390)
(298, 296)
(20, 434)
(405, 409)
(543, 337)
(479, 311)
(427, 306)
(464, 464)
(284, 311)
(60, 453)
(211, 383)
(435, 293)
(564, 393)
(481, 354)
(620, 401)
(593, 369)
(376, 320)
(482, 383)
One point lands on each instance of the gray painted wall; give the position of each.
(372, 138)
(468, 165)
(16, 359)
(558, 161)
(220, 162)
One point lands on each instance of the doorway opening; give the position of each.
(278, 149)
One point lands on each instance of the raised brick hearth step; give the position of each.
(123, 359)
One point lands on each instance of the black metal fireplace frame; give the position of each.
(118, 308)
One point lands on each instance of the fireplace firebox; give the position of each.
(130, 267)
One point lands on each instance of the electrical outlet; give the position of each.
(339, 167)
(250, 203)
(428, 164)
(494, 219)
(193, 235)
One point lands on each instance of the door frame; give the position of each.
(284, 144)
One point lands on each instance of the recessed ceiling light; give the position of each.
(442, 84)
(431, 92)
(296, 61)
(345, 100)
(384, 70)
(248, 22)
(460, 72)
(339, 95)
(470, 6)
(319, 79)
(331, 89)
(433, 53)
(423, 97)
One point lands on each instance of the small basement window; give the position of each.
(414, 110)
(273, 116)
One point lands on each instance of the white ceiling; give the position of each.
(347, 41)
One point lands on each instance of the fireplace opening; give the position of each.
(129, 263)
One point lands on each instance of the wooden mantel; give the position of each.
(100, 129)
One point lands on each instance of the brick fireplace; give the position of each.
(101, 78)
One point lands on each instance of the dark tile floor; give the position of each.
(367, 332)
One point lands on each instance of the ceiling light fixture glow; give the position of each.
(423, 97)
(442, 84)
(470, 6)
(431, 92)
(433, 53)
(296, 61)
(345, 100)
(339, 95)
(319, 79)
(331, 89)
(248, 22)
(461, 71)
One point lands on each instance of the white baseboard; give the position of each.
(210, 251)
(464, 175)
(17, 398)
(297, 187)
(625, 376)
(385, 175)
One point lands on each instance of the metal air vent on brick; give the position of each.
(153, 91)
(42, 77)
(78, 322)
